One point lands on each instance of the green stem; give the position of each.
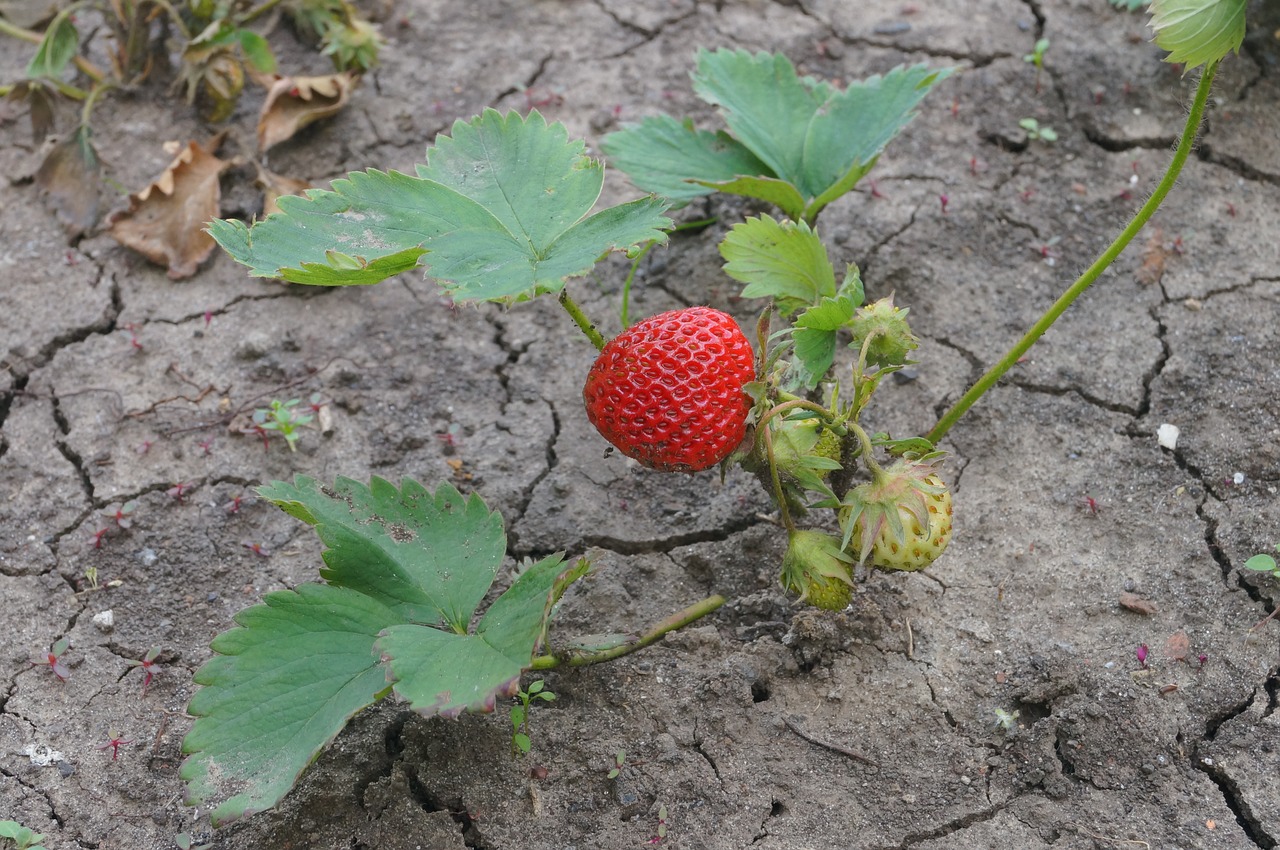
(86, 67)
(678, 620)
(625, 312)
(1091, 274)
(778, 495)
(253, 14)
(580, 319)
(92, 99)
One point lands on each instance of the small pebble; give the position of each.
(105, 620)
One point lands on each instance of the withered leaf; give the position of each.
(39, 95)
(1134, 602)
(69, 178)
(276, 185)
(294, 102)
(166, 221)
(1177, 646)
(1154, 257)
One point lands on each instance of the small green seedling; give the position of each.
(22, 837)
(91, 576)
(1036, 57)
(1036, 131)
(1006, 720)
(53, 659)
(283, 418)
(520, 741)
(184, 841)
(1264, 563)
(619, 760)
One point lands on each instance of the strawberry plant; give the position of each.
(501, 211)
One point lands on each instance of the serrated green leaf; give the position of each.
(815, 329)
(58, 47)
(257, 51)
(447, 673)
(783, 260)
(780, 193)
(662, 155)
(429, 557)
(502, 207)
(818, 138)
(283, 685)
(1198, 31)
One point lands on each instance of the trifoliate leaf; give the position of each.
(430, 557)
(281, 687)
(818, 138)
(663, 155)
(782, 260)
(447, 673)
(502, 207)
(1198, 31)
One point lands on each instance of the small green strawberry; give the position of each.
(886, 326)
(901, 519)
(668, 391)
(816, 568)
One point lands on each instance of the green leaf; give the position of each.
(501, 207)
(58, 47)
(816, 328)
(662, 155)
(810, 134)
(522, 742)
(448, 673)
(257, 51)
(428, 557)
(1261, 563)
(782, 260)
(282, 686)
(780, 193)
(1198, 31)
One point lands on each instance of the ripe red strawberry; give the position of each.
(668, 390)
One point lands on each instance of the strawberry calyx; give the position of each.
(875, 515)
(817, 567)
(881, 331)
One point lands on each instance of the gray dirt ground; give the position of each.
(1022, 614)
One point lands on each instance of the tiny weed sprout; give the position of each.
(1006, 720)
(619, 760)
(521, 743)
(91, 576)
(114, 743)
(1263, 563)
(1035, 131)
(22, 837)
(283, 418)
(1141, 654)
(148, 666)
(662, 826)
(1036, 57)
(53, 660)
(185, 841)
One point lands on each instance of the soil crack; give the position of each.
(663, 545)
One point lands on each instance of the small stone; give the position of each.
(148, 557)
(66, 768)
(964, 780)
(105, 621)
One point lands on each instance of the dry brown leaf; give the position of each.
(1177, 646)
(294, 102)
(1154, 257)
(1134, 602)
(276, 185)
(166, 221)
(69, 178)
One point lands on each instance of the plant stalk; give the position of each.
(678, 620)
(1092, 273)
(580, 319)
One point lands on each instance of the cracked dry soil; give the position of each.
(765, 726)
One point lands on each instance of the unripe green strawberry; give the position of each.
(668, 390)
(886, 325)
(901, 519)
(816, 568)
